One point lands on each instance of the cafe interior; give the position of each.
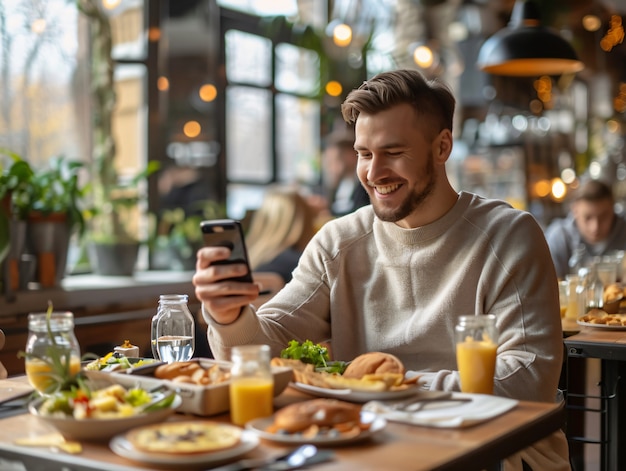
(160, 114)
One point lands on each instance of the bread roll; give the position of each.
(373, 363)
(321, 412)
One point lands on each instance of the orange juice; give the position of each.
(476, 360)
(251, 398)
(38, 372)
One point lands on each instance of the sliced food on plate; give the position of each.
(319, 417)
(185, 437)
(600, 318)
(373, 371)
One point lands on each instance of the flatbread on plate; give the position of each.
(185, 437)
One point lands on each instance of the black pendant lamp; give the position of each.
(526, 48)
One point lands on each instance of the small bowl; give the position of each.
(101, 429)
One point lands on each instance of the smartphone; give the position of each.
(227, 233)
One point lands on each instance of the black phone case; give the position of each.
(227, 233)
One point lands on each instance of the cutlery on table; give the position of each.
(415, 404)
(294, 459)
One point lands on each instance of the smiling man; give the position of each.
(395, 276)
(592, 228)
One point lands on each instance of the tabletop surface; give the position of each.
(398, 446)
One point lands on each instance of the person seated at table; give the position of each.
(592, 228)
(395, 275)
(279, 230)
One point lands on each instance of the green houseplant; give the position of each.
(43, 207)
(177, 236)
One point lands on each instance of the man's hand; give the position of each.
(221, 296)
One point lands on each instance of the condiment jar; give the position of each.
(51, 341)
(251, 384)
(173, 329)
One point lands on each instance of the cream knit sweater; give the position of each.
(368, 285)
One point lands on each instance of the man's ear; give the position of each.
(442, 146)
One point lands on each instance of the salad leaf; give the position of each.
(313, 353)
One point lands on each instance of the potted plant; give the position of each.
(177, 236)
(114, 232)
(40, 207)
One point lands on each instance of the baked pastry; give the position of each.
(316, 412)
(373, 363)
(185, 437)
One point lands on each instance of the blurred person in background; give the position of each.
(591, 229)
(279, 230)
(342, 192)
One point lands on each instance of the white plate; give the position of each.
(604, 326)
(122, 447)
(356, 396)
(259, 426)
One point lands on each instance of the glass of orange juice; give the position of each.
(476, 348)
(52, 350)
(251, 384)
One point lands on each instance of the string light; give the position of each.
(207, 92)
(192, 129)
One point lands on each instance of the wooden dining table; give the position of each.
(398, 446)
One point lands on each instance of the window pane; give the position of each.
(43, 106)
(127, 31)
(297, 70)
(248, 58)
(129, 119)
(297, 139)
(248, 131)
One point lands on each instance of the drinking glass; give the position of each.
(251, 388)
(563, 296)
(173, 329)
(476, 348)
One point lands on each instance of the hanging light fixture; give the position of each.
(526, 48)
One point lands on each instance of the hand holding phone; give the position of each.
(227, 233)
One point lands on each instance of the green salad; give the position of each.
(315, 354)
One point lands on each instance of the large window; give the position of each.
(272, 116)
(43, 80)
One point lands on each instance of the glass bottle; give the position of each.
(476, 351)
(251, 384)
(49, 346)
(173, 329)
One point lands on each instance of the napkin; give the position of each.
(480, 408)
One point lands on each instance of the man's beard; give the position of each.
(414, 200)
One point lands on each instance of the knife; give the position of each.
(294, 459)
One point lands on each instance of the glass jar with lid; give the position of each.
(52, 350)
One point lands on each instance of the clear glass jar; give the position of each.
(593, 289)
(476, 351)
(49, 343)
(173, 331)
(251, 384)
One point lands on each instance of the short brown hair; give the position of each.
(431, 99)
(594, 190)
